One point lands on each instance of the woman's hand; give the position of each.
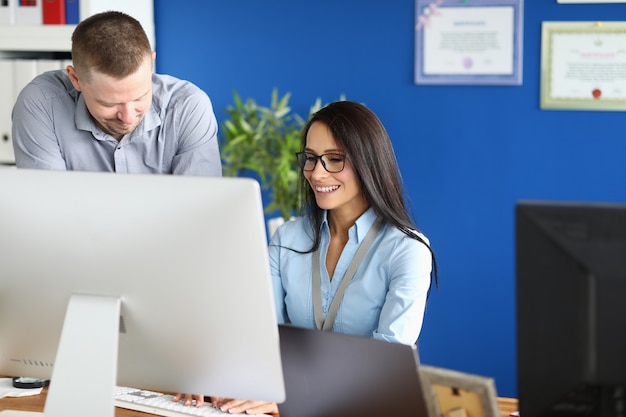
(189, 398)
(244, 406)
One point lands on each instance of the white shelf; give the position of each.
(58, 38)
(48, 38)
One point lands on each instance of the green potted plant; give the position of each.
(263, 140)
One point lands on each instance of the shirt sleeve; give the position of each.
(34, 139)
(402, 313)
(198, 152)
(277, 285)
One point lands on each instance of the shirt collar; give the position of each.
(360, 228)
(82, 117)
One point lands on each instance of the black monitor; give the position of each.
(571, 308)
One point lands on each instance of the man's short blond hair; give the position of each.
(112, 43)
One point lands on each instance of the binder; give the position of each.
(53, 12)
(7, 12)
(24, 70)
(72, 12)
(28, 12)
(6, 106)
(16, 73)
(44, 65)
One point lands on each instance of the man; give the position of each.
(110, 112)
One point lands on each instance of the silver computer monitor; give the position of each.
(156, 282)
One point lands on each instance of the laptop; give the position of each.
(336, 375)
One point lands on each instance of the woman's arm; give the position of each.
(402, 313)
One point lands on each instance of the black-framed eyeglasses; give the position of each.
(332, 162)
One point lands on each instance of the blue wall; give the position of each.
(467, 153)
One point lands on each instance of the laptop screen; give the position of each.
(336, 375)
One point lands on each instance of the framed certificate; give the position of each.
(468, 42)
(583, 65)
(591, 1)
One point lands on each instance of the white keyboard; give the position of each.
(162, 404)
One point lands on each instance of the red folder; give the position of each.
(53, 12)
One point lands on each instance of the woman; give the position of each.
(351, 178)
(352, 199)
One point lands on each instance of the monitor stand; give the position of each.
(85, 369)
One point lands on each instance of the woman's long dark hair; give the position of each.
(359, 132)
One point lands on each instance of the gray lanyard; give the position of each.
(354, 265)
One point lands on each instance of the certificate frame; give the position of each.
(466, 63)
(591, 1)
(582, 65)
(449, 392)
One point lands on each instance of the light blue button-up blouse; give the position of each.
(387, 296)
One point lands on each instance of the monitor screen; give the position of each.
(166, 276)
(571, 308)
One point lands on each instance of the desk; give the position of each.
(36, 403)
(507, 406)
